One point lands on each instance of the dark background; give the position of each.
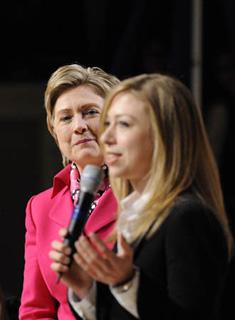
(124, 38)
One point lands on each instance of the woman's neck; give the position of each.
(139, 185)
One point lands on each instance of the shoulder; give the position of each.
(39, 202)
(60, 183)
(42, 196)
(189, 209)
(191, 221)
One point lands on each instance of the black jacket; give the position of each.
(182, 268)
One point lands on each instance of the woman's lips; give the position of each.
(111, 158)
(84, 141)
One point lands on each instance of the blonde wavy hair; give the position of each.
(182, 155)
(71, 76)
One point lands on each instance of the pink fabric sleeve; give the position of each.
(36, 301)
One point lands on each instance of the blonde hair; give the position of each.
(182, 155)
(72, 76)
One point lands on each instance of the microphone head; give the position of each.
(91, 178)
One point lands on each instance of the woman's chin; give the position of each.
(115, 172)
(89, 158)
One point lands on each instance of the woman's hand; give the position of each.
(102, 264)
(73, 276)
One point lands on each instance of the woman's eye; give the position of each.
(91, 112)
(106, 124)
(65, 118)
(123, 123)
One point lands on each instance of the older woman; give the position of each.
(73, 100)
(173, 238)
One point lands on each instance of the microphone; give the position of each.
(91, 178)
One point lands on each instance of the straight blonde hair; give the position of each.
(182, 155)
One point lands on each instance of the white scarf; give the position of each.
(131, 214)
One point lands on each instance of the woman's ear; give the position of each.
(52, 132)
(54, 135)
(50, 128)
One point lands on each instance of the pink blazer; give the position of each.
(46, 213)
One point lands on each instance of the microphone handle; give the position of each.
(79, 218)
(80, 215)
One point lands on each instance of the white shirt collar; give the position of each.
(131, 214)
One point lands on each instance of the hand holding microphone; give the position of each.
(91, 178)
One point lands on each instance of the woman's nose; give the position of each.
(107, 136)
(80, 124)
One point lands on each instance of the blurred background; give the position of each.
(191, 39)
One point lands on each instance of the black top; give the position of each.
(182, 268)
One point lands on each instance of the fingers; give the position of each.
(93, 261)
(61, 247)
(102, 264)
(60, 252)
(60, 256)
(62, 232)
(59, 268)
(124, 247)
(103, 251)
(86, 254)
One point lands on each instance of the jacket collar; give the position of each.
(62, 203)
(61, 180)
(62, 207)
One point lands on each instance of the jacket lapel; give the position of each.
(104, 213)
(62, 208)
